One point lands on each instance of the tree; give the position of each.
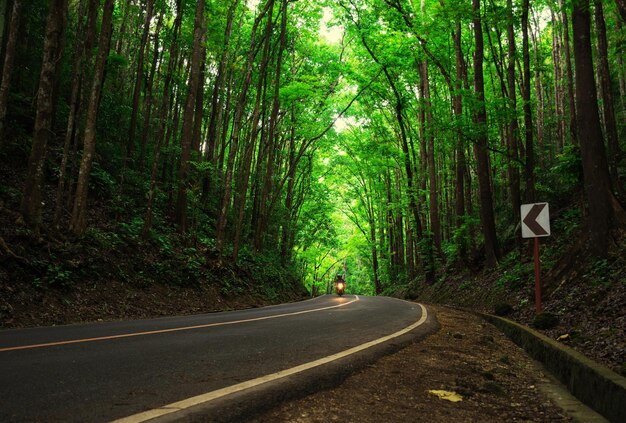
(53, 51)
(78, 221)
(7, 67)
(601, 217)
(608, 107)
(139, 78)
(512, 127)
(529, 172)
(188, 116)
(487, 218)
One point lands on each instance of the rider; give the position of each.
(340, 279)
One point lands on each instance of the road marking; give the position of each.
(154, 332)
(220, 393)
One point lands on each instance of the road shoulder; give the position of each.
(496, 380)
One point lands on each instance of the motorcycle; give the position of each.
(340, 288)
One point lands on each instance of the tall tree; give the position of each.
(529, 171)
(435, 223)
(7, 67)
(217, 99)
(162, 120)
(78, 221)
(139, 76)
(236, 130)
(52, 54)
(460, 169)
(272, 136)
(601, 217)
(82, 48)
(573, 126)
(512, 127)
(188, 116)
(608, 108)
(487, 218)
(621, 7)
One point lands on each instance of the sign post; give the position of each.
(536, 224)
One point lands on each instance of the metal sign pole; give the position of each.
(537, 278)
(536, 224)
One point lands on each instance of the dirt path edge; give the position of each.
(595, 385)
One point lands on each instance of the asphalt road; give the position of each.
(106, 371)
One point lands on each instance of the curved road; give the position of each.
(108, 371)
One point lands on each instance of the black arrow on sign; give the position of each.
(531, 219)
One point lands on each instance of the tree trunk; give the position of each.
(460, 168)
(236, 133)
(83, 47)
(621, 8)
(7, 68)
(573, 125)
(606, 92)
(435, 223)
(148, 99)
(270, 169)
(559, 108)
(512, 127)
(52, 55)
(165, 104)
(487, 218)
(196, 144)
(529, 172)
(188, 117)
(139, 80)
(217, 99)
(595, 166)
(78, 222)
(286, 244)
(539, 93)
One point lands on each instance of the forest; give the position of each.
(252, 150)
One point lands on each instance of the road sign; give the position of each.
(535, 220)
(536, 224)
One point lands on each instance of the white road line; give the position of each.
(154, 332)
(220, 393)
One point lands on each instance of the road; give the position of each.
(107, 371)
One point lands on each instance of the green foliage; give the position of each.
(103, 238)
(568, 223)
(132, 228)
(600, 272)
(101, 182)
(350, 191)
(460, 239)
(116, 62)
(515, 273)
(53, 275)
(568, 168)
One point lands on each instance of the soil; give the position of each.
(497, 381)
(25, 306)
(587, 296)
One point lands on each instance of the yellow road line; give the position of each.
(219, 393)
(154, 332)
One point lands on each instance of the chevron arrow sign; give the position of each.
(535, 220)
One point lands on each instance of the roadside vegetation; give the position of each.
(183, 156)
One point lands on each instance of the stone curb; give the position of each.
(595, 385)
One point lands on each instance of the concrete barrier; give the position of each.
(595, 385)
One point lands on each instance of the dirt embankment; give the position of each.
(493, 378)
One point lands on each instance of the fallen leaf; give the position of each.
(446, 395)
(563, 337)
